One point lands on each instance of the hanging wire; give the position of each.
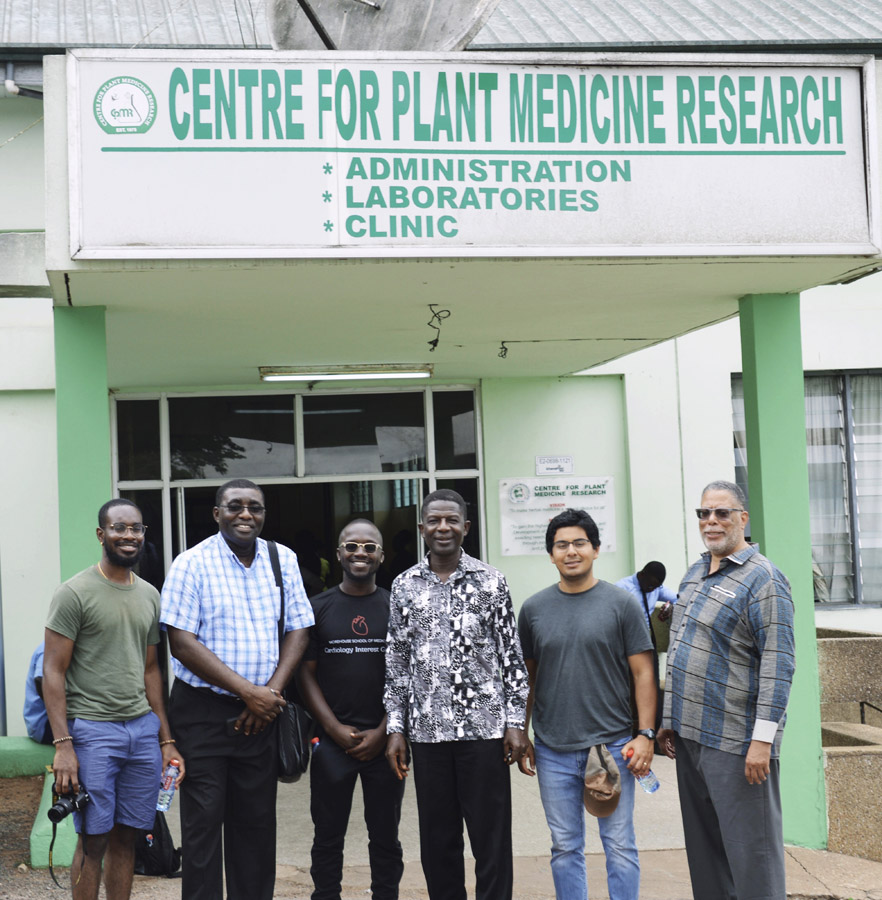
(18, 134)
(438, 315)
(253, 23)
(160, 24)
(503, 345)
(239, 22)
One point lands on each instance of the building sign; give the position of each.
(258, 154)
(527, 505)
(554, 465)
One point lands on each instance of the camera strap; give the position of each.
(52, 844)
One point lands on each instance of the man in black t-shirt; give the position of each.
(341, 681)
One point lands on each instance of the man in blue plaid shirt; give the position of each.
(221, 607)
(730, 666)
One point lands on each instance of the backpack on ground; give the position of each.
(155, 852)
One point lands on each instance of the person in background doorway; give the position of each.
(221, 606)
(648, 587)
(106, 706)
(583, 640)
(456, 686)
(341, 681)
(730, 667)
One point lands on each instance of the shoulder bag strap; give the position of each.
(277, 571)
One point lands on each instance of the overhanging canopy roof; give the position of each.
(191, 324)
(615, 24)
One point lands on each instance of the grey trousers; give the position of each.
(734, 834)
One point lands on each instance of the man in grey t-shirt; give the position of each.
(582, 638)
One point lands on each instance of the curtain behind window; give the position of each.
(832, 567)
(866, 398)
(832, 564)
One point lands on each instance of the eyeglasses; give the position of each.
(354, 546)
(579, 544)
(721, 512)
(235, 508)
(121, 528)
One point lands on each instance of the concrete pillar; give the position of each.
(774, 405)
(83, 419)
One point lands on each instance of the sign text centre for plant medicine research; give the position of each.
(435, 153)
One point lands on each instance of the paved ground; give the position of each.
(811, 874)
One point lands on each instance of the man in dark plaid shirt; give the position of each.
(730, 666)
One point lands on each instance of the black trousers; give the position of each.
(467, 781)
(229, 792)
(734, 831)
(332, 779)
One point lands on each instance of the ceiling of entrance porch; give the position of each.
(206, 324)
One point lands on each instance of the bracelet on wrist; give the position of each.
(61, 740)
(168, 741)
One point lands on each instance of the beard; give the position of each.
(126, 562)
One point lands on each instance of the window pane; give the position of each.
(151, 566)
(364, 433)
(309, 517)
(137, 437)
(866, 393)
(454, 415)
(213, 437)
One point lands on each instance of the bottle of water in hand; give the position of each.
(167, 785)
(649, 782)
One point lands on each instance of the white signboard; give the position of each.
(258, 154)
(554, 465)
(527, 505)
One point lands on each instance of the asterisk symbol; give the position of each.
(329, 225)
(326, 196)
(328, 168)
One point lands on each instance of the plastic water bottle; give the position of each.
(316, 743)
(649, 782)
(167, 785)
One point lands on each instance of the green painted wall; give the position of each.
(83, 419)
(779, 505)
(24, 199)
(581, 417)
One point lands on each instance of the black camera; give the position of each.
(65, 804)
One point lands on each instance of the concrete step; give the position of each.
(853, 774)
(850, 734)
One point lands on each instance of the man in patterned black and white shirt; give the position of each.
(456, 687)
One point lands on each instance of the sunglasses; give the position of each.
(235, 508)
(353, 546)
(723, 513)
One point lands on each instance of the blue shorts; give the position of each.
(121, 767)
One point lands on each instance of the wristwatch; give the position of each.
(648, 733)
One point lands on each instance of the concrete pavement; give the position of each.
(811, 874)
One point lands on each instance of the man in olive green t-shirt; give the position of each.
(104, 697)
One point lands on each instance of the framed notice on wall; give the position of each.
(527, 505)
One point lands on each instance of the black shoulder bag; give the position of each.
(294, 722)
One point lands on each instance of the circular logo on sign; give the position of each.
(125, 105)
(519, 493)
